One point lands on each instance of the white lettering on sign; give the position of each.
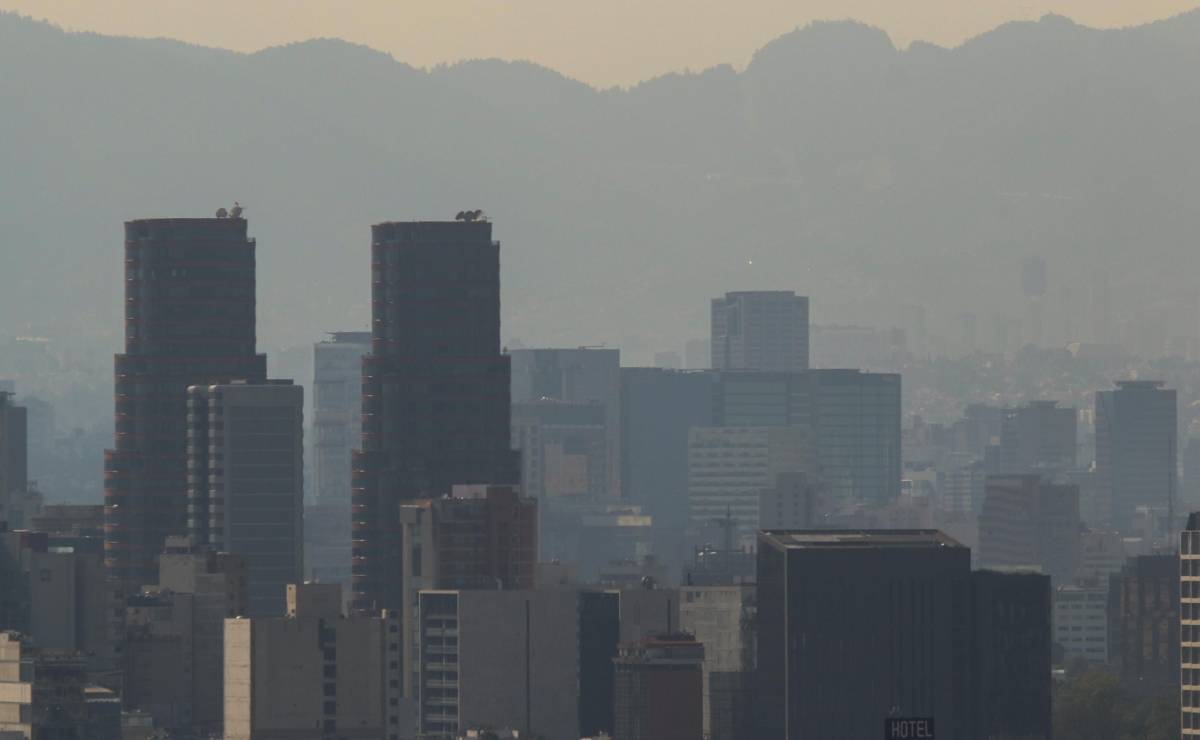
(908, 728)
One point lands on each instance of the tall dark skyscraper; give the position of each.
(435, 387)
(189, 320)
(14, 460)
(1136, 428)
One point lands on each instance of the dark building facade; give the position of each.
(1144, 621)
(435, 387)
(14, 460)
(658, 694)
(855, 626)
(189, 320)
(760, 330)
(1136, 429)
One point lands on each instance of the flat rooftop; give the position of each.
(859, 538)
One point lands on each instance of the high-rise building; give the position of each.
(189, 320)
(760, 330)
(723, 619)
(1144, 619)
(658, 407)
(313, 674)
(793, 502)
(858, 626)
(1029, 521)
(658, 693)
(582, 375)
(1189, 630)
(246, 482)
(337, 429)
(435, 387)
(337, 415)
(1038, 438)
(14, 461)
(1136, 428)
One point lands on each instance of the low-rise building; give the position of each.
(1081, 622)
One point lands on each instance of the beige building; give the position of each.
(722, 618)
(1189, 613)
(314, 673)
(42, 692)
(174, 636)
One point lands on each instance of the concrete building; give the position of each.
(59, 598)
(337, 429)
(189, 320)
(1039, 437)
(658, 689)
(852, 624)
(1028, 521)
(1081, 622)
(1189, 630)
(722, 618)
(174, 637)
(1136, 430)
(14, 461)
(582, 375)
(42, 692)
(1101, 554)
(537, 661)
(760, 330)
(246, 482)
(564, 449)
(1143, 622)
(313, 674)
(481, 537)
(435, 387)
(728, 468)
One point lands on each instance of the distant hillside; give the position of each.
(835, 164)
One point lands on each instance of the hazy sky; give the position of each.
(604, 42)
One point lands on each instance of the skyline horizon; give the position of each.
(901, 41)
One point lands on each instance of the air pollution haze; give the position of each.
(834, 163)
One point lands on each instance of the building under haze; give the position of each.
(246, 482)
(760, 330)
(189, 319)
(337, 428)
(1039, 437)
(1136, 429)
(857, 626)
(582, 375)
(435, 387)
(14, 461)
(1189, 630)
(1029, 522)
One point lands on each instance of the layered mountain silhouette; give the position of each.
(834, 164)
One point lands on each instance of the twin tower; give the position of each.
(435, 392)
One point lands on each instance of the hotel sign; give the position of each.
(908, 728)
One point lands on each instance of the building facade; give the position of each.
(854, 626)
(435, 387)
(14, 461)
(313, 674)
(583, 375)
(1143, 621)
(1189, 630)
(722, 618)
(1038, 437)
(246, 482)
(189, 320)
(564, 449)
(1136, 430)
(1081, 622)
(658, 692)
(1028, 521)
(760, 330)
